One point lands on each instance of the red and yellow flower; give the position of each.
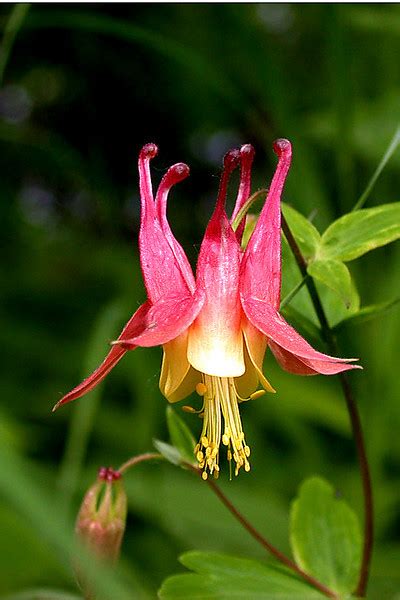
(214, 328)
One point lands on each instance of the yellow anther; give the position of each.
(216, 474)
(196, 449)
(189, 409)
(201, 389)
(221, 425)
(225, 439)
(239, 460)
(257, 394)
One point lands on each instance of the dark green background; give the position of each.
(84, 88)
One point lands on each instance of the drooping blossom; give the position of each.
(214, 328)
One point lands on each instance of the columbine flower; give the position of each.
(214, 329)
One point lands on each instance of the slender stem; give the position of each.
(135, 460)
(353, 414)
(266, 544)
(289, 297)
(366, 483)
(391, 149)
(260, 538)
(238, 515)
(13, 25)
(245, 208)
(242, 520)
(312, 290)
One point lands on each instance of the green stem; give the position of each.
(262, 540)
(366, 483)
(289, 297)
(246, 206)
(390, 150)
(353, 414)
(13, 25)
(135, 460)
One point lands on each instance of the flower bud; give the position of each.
(101, 520)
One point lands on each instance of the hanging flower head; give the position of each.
(215, 328)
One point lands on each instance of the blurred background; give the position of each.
(83, 87)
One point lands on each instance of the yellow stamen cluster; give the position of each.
(221, 403)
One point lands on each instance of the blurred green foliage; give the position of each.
(84, 87)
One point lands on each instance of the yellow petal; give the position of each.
(178, 379)
(256, 345)
(247, 383)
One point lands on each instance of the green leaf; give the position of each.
(325, 536)
(334, 307)
(42, 594)
(360, 231)
(306, 235)
(367, 313)
(169, 452)
(181, 436)
(221, 577)
(335, 275)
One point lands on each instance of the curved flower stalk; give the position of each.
(215, 328)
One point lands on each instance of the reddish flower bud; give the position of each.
(101, 520)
